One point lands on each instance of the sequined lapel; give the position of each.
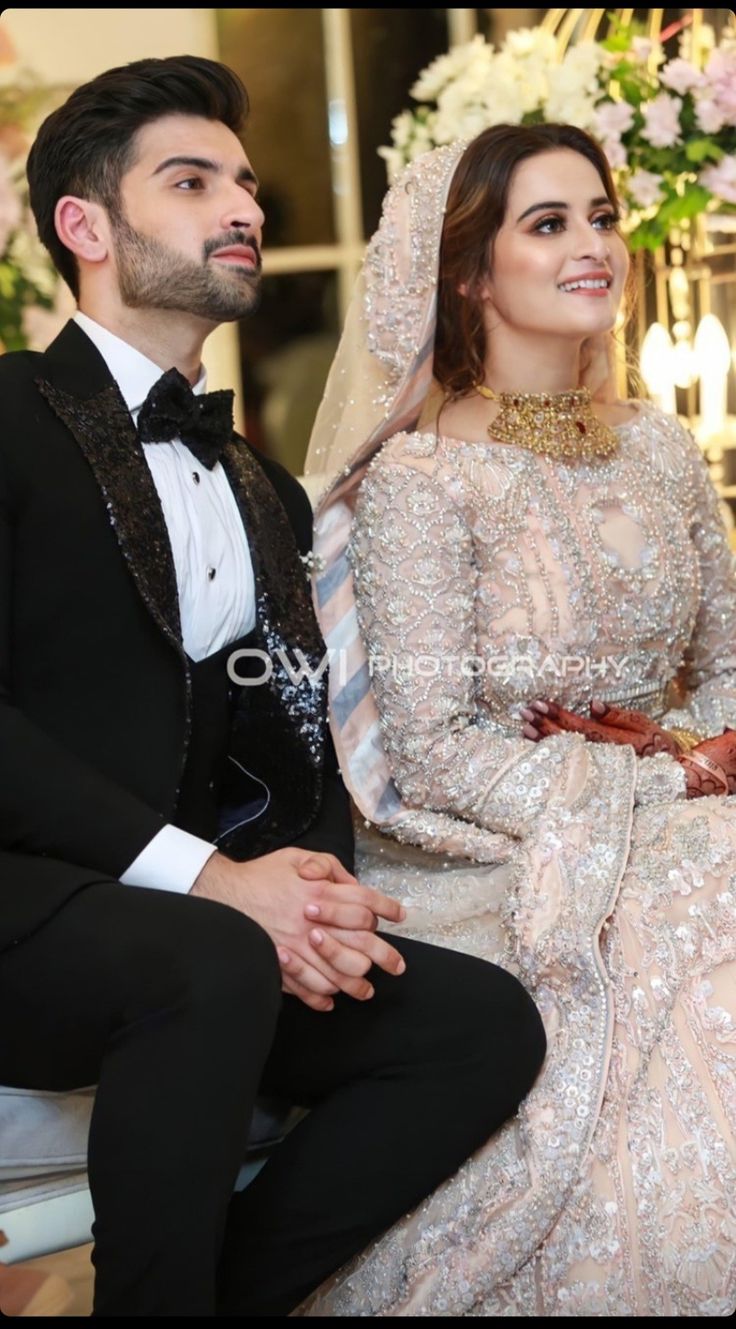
(287, 724)
(102, 427)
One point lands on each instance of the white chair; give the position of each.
(45, 1203)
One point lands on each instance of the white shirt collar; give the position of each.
(133, 372)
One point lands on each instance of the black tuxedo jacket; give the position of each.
(95, 693)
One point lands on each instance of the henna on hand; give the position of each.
(644, 734)
(545, 718)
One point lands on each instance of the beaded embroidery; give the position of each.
(612, 1191)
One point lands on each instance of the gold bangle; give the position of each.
(714, 770)
(686, 739)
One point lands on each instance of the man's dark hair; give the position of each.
(86, 146)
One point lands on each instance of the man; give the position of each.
(170, 839)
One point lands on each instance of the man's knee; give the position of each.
(490, 1020)
(523, 1024)
(210, 956)
(506, 1029)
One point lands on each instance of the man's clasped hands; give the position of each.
(320, 919)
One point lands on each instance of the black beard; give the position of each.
(152, 276)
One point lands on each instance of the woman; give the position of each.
(532, 571)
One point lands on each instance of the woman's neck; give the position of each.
(517, 366)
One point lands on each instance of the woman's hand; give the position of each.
(710, 767)
(608, 724)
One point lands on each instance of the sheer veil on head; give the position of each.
(383, 365)
(377, 387)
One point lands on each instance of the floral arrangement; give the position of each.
(668, 126)
(29, 286)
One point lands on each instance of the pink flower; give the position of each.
(681, 76)
(709, 116)
(644, 187)
(662, 121)
(721, 179)
(720, 74)
(615, 152)
(641, 48)
(612, 119)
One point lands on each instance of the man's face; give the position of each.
(188, 236)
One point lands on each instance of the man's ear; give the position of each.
(83, 227)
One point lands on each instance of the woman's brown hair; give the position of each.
(476, 207)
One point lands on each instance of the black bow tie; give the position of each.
(171, 410)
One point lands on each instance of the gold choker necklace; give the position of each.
(556, 424)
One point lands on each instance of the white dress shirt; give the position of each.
(214, 575)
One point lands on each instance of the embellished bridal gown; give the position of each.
(486, 576)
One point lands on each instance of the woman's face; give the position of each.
(558, 263)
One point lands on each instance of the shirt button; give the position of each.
(211, 574)
(195, 477)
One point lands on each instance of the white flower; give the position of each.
(10, 205)
(721, 178)
(457, 118)
(573, 87)
(402, 129)
(569, 101)
(662, 121)
(448, 67)
(509, 94)
(681, 76)
(525, 60)
(313, 562)
(583, 62)
(525, 42)
(525, 85)
(424, 139)
(613, 119)
(395, 162)
(644, 187)
(571, 109)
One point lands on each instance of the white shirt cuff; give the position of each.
(171, 861)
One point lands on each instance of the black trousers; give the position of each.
(173, 1005)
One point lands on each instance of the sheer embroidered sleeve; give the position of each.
(710, 660)
(415, 579)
